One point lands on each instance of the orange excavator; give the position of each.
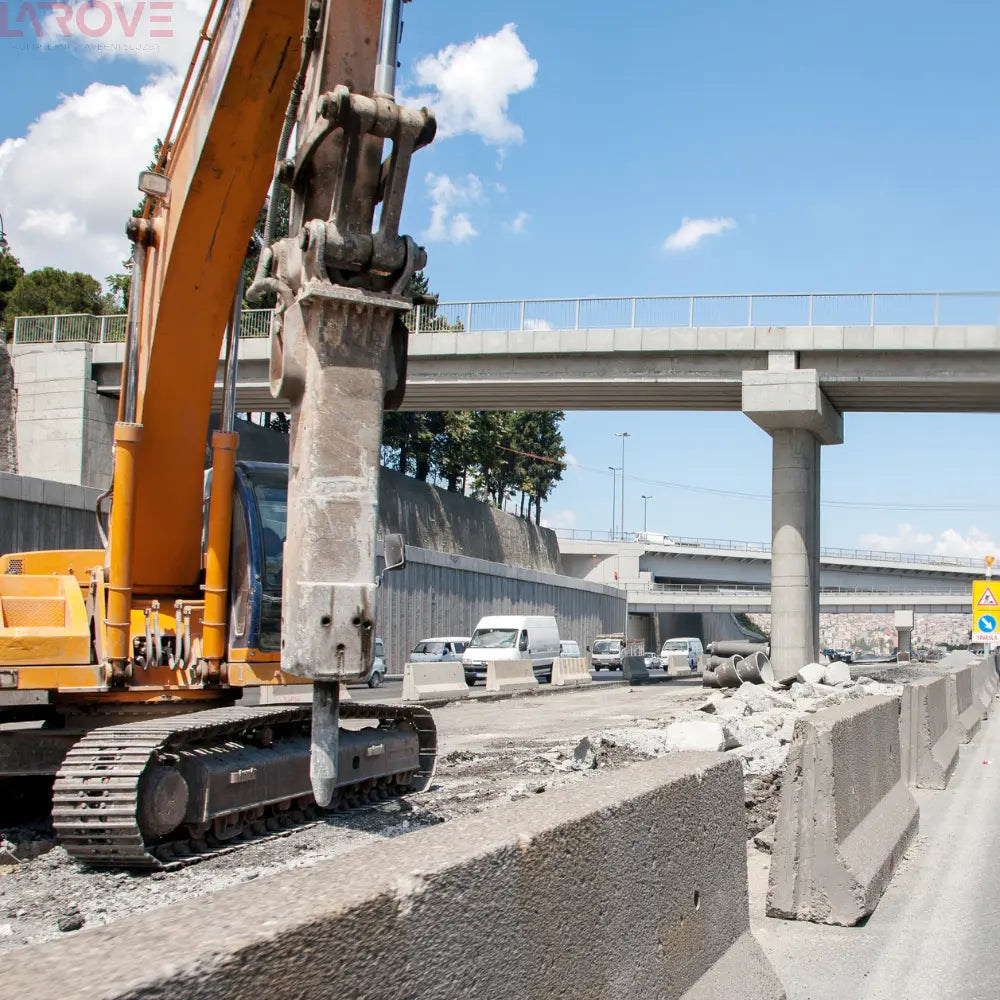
(151, 677)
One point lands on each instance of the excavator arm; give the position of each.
(338, 340)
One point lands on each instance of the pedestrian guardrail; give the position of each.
(651, 311)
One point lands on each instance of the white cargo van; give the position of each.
(512, 637)
(691, 648)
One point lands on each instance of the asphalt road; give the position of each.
(392, 687)
(934, 935)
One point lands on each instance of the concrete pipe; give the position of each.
(755, 669)
(710, 679)
(714, 662)
(737, 647)
(728, 674)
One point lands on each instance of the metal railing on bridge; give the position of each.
(763, 548)
(533, 315)
(751, 590)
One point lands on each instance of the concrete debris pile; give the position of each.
(754, 723)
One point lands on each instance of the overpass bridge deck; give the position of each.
(932, 351)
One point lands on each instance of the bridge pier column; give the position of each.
(904, 632)
(792, 408)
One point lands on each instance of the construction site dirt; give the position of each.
(492, 753)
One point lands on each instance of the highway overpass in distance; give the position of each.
(712, 574)
(656, 598)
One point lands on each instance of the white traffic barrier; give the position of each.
(676, 663)
(434, 681)
(510, 675)
(571, 671)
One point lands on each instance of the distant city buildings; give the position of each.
(876, 632)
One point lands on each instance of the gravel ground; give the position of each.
(491, 754)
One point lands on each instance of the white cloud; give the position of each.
(537, 324)
(469, 86)
(564, 518)
(448, 225)
(519, 223)
(692, 231)
(973, 543)
(70, 182)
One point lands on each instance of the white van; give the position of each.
(512, 637)
(690, 647)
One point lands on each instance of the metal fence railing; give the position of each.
(656, 311)
(731, 545)
(739, 590)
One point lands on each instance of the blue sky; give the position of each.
(848, 147)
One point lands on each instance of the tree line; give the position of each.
(493, 456)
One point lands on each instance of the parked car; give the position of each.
(377, 671)
(690, 646)
(449, 647)
(567, 647)
(653, 662)
(512, 637)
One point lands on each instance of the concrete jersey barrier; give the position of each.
(571, 671)
(434, 680)
(963, 705)
(541, 899)
(929, 735)
(634, 670)
(984, 677)
(846, 816)
(510, 675)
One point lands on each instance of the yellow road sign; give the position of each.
(985, 594)
(985, 610)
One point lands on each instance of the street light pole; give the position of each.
(614, 493)
(3, 237)
(644, 500)
(623, 435)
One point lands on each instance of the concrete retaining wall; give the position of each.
(846, 816)
(434, 681)
(432, 518)
(544, 898)
(41, 514)
(929, 736)
(510, 675)
(443, 594)
(962, 704)
(571, 671)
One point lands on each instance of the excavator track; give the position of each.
(98, 792)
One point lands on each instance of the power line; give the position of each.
(766, 497)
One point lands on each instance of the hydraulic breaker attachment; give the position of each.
(338, 347)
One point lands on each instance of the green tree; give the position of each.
(537, 437)
(50, 291)
(11, 273)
